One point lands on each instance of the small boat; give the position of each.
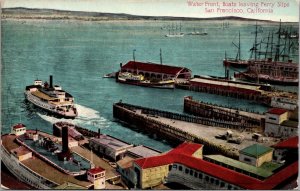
(51, 98)
(110, 75)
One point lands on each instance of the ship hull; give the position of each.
(23, 174)
(150, 85)
(245, 76)
(235, 63)
(45, 106)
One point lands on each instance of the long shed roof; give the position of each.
(152, 67)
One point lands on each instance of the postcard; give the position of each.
(149, 94)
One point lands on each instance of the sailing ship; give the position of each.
(173, 31)
(280, 70)
(236, 62)
(51, 98)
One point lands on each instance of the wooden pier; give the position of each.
(241, 90)
(177, 128)
(243, 118)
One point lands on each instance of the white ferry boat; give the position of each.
(38, 159)
(51, 98)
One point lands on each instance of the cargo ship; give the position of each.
(44, 161)
(51, 98)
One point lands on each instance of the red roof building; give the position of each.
(156, 70)
(183, 155)
(277, 111)
(290, 143)
(96, 170)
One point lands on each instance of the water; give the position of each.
(78, 54)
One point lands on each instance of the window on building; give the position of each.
(247, 159)
(217, 182)
(191, 172)
(196, 174)
(200, 176)
(170, 167)
(206, 178)
(180, 168)
(186, 171)
(212, 180)
(175, 166)
(272, 118)
(222, 184)
(229, 187)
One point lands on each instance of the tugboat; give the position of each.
(51, 99)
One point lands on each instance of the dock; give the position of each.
(179, 127)
(244, 118)
(241, 90)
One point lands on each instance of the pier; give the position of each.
(240, 90)
(244, 118)
(177, 128)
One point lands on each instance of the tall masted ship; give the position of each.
(51, 98)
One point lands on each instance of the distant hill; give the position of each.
(26, 13)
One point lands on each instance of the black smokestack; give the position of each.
(98, 133)
(65, 140)
(51, 82)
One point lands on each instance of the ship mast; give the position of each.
(278, 43)
(160, 56)
(255, 42)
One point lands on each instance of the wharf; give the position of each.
(173, 128)
(244, 118)
(241, 90)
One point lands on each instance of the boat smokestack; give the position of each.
(65, 140)
(51, 82)
(227, 74)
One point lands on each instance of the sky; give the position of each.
(272, 9)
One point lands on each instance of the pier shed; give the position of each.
(157, 71)
(109, 146)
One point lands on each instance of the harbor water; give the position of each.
(78, 54)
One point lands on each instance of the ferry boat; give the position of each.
(51, 99)
(139, 80)
(38, 159)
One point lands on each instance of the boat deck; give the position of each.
(41, 167)
(51, 173)
(42, 95)
(110, 172)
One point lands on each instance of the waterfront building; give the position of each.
(279, 124)
(157, 71)
(124, 166)
(256, 155)
(109, 146)
(187, 166)
(286, 150)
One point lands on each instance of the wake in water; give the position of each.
(87, 118)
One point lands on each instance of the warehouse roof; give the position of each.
(255, 150)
